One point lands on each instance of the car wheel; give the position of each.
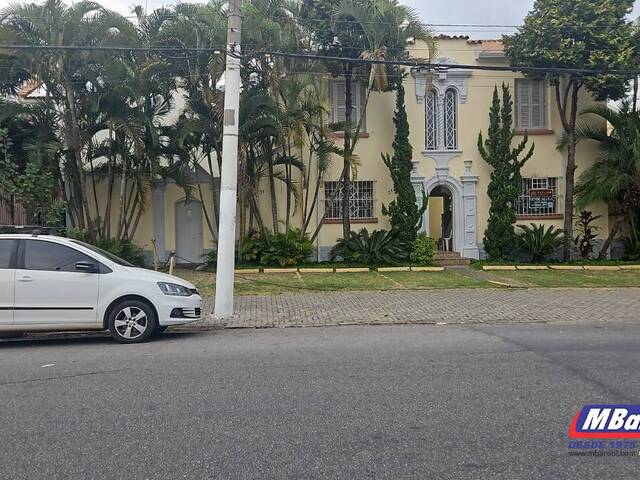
(132, 321)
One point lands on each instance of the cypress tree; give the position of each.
(404, 214)
(504, 187)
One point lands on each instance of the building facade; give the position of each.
(446, 110)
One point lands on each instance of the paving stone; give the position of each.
(498, 305)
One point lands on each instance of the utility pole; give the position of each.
(229, 173)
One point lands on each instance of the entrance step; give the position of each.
(450, 259)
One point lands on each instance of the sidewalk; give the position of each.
(459, 306)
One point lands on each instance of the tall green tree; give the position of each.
(404, 213)
(615, 177)
(504, 187)
(575, 34)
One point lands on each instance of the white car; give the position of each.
(54, 283)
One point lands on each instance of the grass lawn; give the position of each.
(569, 278)
(273, 284)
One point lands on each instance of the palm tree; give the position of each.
(69, 77)
(615, 176)
(371, 30)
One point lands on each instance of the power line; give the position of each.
(416, 63)
(446, 66)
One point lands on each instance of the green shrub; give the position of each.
(125, 249)
(423, 249)
(378, 247)
(281, 249)
(538, 241)
(211, 258)
(586, 234)
(632, 241)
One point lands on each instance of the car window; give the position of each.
(6, 247)
(42, 255)
(104, 253)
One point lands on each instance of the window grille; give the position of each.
(450, 120)
(361, 199)
(431, 117)
(538, 197)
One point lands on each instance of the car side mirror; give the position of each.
(85, 266)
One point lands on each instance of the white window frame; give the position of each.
(361, 201)
(526, 101)
(358, 98)
(450, 121)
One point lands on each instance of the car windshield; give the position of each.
(104, 253)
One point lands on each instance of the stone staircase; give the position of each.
(450, 259)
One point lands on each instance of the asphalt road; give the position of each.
(428, 402)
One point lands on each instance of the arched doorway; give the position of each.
(189, 241)
(445, 213)
(441, 218)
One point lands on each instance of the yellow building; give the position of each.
(446, 109)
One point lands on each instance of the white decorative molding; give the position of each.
(464, 200)
(441, 80)
(442, 158)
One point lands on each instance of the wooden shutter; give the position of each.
(523, 103)
(339, 99)
(538, 104)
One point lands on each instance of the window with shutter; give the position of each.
(531, 104)
(338, 109)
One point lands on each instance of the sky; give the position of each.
(491, 12)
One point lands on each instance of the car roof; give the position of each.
(41, 236)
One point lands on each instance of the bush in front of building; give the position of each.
(125, 249)
(283, 249)
(539, 241)
(375, 248)
(423, 249)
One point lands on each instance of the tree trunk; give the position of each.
(570, 175)
(76, 144)
(567, 103)
(635, 93)
(568, 197)
(612, 236)
(287, 169)
(123, 195)
(272, 190)
(348, 153)
(107, 208)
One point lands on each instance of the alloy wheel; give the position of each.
(131, 322)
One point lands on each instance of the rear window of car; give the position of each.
(6, 248)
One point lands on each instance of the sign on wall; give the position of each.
(541, 198)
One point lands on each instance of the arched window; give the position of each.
(431, 121)
(450, 120)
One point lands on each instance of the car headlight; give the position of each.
(174, 289)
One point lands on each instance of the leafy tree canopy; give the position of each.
(593, 34)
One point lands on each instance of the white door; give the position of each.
(7, 274)
(49, 289)
(189, 240)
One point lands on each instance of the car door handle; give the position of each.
(26, 278)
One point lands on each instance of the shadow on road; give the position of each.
(64, 339)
